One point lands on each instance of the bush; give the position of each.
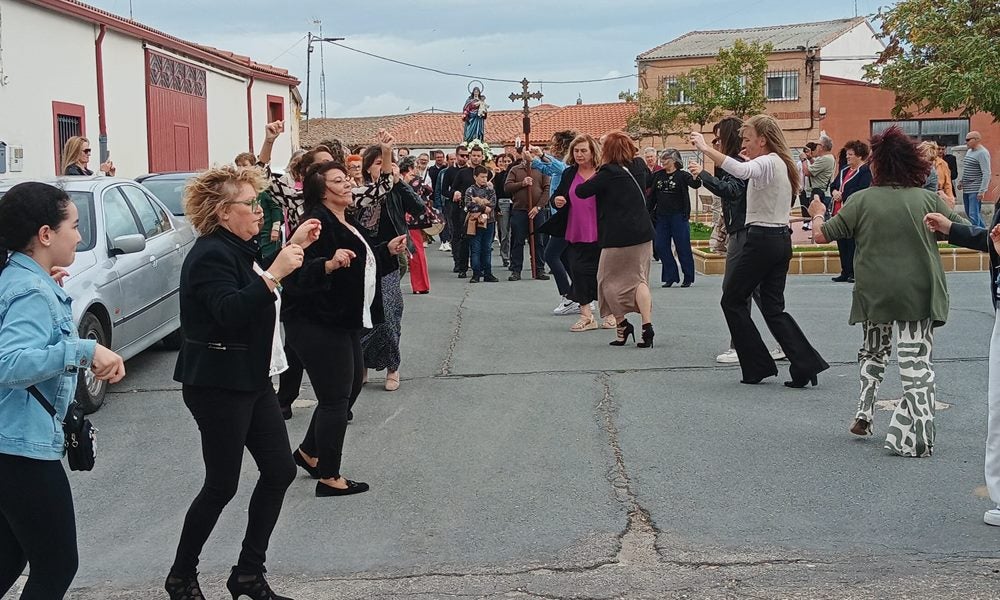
(700, 231)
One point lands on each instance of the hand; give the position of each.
(695, 168)
(306, 233)
(533, 212)
(995, 236)
(340, 259)
(947, 199)
(397, 245)
(527, 182)
(275, 235)
(58, 274)
(273, 130)
(384, 137)
(289, 259)
(816, 207)
(457, 197)
(395, 174)
(938, 223)
(108, 167)
(559, 201)
(535, 151)
(106, 365)
(698, 140)
(981, 196)
(836, 194)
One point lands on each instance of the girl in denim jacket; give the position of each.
(39, 346)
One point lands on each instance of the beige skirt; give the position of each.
(620, 272)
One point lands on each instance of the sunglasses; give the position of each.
(87, 151)
(969, 139)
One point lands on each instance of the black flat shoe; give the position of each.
(300, 461)
(840, 278)
(353, 487)
(801, 383)
(514, 277)
(667, 285)
(758, 380)
(686, 284)
(183, 588)
(254, 587)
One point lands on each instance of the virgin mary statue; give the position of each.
(474, 116)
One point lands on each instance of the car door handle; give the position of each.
(152, 260)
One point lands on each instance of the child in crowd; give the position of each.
(480, 204)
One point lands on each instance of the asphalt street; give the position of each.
(519, 460)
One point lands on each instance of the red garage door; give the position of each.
(176, 114)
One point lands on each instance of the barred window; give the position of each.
(782, 85)
(674, 92)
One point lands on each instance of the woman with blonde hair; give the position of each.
(225, 365)
(76, 157)
(773, 180)
(624, 235)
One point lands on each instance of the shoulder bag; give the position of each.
(79, 433)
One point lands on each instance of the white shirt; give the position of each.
(371, 272)
(769, 191)
(279, 362)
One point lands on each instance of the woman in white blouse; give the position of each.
(765, 249)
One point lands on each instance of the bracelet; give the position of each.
(273, 279)
(818, 217)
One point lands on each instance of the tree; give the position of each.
(740, 71)
(940, 55)
(656, 113)
(700, 88)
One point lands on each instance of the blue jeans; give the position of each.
(555, 254)
(481, 250)
(973, 207)
(674, 227)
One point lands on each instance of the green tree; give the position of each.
(740, 72)
(940, 55)
(700, 88)
(655, 113)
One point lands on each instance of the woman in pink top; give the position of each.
(579, 218)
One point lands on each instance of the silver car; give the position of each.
(126, 276)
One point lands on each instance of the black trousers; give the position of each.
(459, 241)
(846, 248)
(519, 234)
(336, 366)
(290, 381)
(759, 257)
(584, 260)
(230, 421)
(37, 527)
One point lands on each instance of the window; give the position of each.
(674, 91)
(118, 217)
(782, 85)
(68, 120)
(152, 218)
(275, 108)
(946, 132)
(84, 202)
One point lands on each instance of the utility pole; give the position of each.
(309, 50)
(322, 72)
(526, 129)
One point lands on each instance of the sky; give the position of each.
(543, 40)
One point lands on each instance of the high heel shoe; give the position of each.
(252, 586)
(301, 461)
(801, 383)
(623, 330)
(183, 588)
(647, 336)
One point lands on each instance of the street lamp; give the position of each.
(309, 50)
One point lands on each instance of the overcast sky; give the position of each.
(560, 40)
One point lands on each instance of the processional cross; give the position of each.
(526, 129)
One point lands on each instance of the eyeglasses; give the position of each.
(87, 151)
(969, 139)
(253, 204)
(463, 156)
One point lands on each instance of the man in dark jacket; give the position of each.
(520, 179)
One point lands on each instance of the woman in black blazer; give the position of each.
(854, 177)
(329, 302)
(231, 349)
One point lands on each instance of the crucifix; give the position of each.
(526, 129)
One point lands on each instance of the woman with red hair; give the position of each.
(899, 284)
(625, 236)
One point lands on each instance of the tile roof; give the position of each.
(214, 56)
(783, 37)
(443, 130)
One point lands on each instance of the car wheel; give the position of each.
(174, 340)
(90, 390)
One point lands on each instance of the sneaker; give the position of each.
(566, 307)
(490, 279)
(475, 279)
(728, 357)
(514, 277)
(542, 277)
(462, 274)
(445, 247)
(777, 353)
(992, 517)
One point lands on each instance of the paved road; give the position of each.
(519, 460)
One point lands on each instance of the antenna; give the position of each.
(322, 72)
(855, 8)
(130, 10)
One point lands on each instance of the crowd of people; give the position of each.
(300, 272)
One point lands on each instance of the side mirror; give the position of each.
(127, 244)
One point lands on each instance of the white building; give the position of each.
(156, 103)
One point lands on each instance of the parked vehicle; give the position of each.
(126, 276)
(168, 189)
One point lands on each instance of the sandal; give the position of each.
(609, 322)
(861, 427)
(584, 324)
(392, 381)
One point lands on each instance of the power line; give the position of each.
(479, 77)
(290, 48)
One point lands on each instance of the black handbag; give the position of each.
(79, 433)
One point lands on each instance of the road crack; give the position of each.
(456, 335)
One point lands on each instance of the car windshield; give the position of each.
(168, 191)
